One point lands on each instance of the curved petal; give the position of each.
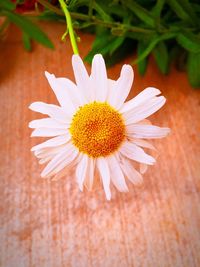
(67, 170)
(136, 153)
(116, 174)
(48, 123)
(61, 88)
(45, 160)
(61, 160)
(48, 132)
(144, 110)
(103, 168)
(147, 131)
(89, 179)
(52, 111)
(143, 168)
(48, 151)
(81, 170)
(82, 78)
(143, 143)
(134, 176)
(122, 87)
(53, 142)
(99, 78)
(142, 97)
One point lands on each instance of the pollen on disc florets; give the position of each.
(97, 129)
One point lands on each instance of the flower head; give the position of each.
(94, 130)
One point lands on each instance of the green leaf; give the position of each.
(193, 68)
(101, 12)
(117, 42)
(100, 44)
(187, 6)
(7, 5)
(143, 14)
(156, 11)
(155, 40)
(26, 41)
(142, 65)
(161, 56)
(189, 41)
(179, 10)
(29, 28)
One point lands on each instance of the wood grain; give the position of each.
(52, 224)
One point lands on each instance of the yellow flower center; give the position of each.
(97, 129)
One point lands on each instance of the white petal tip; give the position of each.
(108, 198)
(127, 68)
(81, 188)
(31, 106)
(34, 106)
(32, 149)
(43, 174)
(167, 131)
(163, 99)
(98, 56)
(46, 73)
(30, 125)
(49, 75)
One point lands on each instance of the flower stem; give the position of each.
(69, 27)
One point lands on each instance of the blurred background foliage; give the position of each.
(169, 30)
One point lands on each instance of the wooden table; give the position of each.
(52, 224)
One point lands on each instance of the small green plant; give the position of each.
(168, 30)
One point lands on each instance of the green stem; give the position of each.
(94, 20)
(69, 27)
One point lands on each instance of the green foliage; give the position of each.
(193, 67)
(169, 30)
(29, 29)
(161, 55)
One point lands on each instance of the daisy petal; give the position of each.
(53, 142)
(147, 131)
(105, 175)
(111, 85)
(134, 176)
(48, 132)
(122, 87)
(99, 78)
(144, 110)
(143, 168)
(142, 97)
(61, 160)
(136, 153)
(52, 111)
(143, 143)
(67, 170)
(47, 123)
(62, 91)
(117, 176)
(45, 160)
(48, 152)
(89, 179)
(81, 77)
(81, 170)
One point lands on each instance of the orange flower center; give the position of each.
(97, 129)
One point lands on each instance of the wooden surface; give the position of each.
(52, 224)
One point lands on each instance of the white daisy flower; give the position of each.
(94, 130)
